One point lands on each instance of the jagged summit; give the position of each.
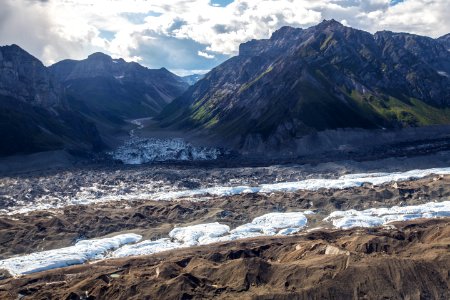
(329, 23)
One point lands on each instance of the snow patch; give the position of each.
(442, 73)
(380, 216)
(81, 252)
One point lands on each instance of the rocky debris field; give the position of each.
(44, 230)
(87, 184)
(406, 260)
(217, 232)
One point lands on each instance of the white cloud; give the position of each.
(205, 55)
(178, 32)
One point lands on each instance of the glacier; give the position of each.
(380, 216)
(270, 224)
(149, 191)
(139, 150)
(81, 252)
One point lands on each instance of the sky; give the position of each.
(193, 36)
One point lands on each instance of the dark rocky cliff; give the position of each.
(34, 113)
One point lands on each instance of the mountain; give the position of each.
(302, 81)
(34, 113)
(115, 90)
(445, 40)
(192, 79)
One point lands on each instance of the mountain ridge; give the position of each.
(116, 89)
(34, 113)
(79, 106)
(328, 76)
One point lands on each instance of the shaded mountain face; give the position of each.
(34, 114)
(24, 77)
(328, 76)
(115, 90)
(445, 40)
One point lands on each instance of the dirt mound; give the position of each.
(409, 261)
(46, 230)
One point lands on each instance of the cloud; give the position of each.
(193, 34)
(205, 55)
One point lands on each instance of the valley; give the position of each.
(313, 164)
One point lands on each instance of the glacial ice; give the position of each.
(343, 182)
(273, 223)
(266, 225)
(179, 237)
(151, 191)
(81, 252)
(146, 247)
(204, 234)
(379, 216)
(193, 235)
(139, 150)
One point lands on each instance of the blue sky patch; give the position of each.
(105, 34)
(139, 18)
(221, 2)
(394, 2)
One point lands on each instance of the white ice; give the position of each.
(151, 191)
(272, 223)
(380, 216)
(144, 150)
(269, 224)
(343, 182)
(201, 234)
(193, 235)
(79, 253)
(146, 247)
(204, 234)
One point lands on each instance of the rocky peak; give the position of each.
(96, 65)
(99, 56)
(24, 77)
(285, 32)
(329, 24)
(280, 40)
(406, 46)
(115, 89)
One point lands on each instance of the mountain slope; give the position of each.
(325, 77)
(34, 114)
(114, 90)
(445, 40)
